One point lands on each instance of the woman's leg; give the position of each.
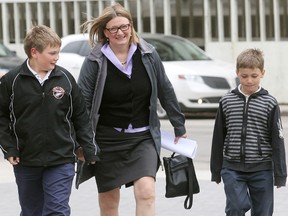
(109, 202)
(144, 191)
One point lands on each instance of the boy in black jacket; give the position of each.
(248, 143)
(43, 120)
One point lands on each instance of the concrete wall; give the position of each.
(276, 62)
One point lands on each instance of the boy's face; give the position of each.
(46, 60)
(249, 79)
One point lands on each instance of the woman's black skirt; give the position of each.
(124, 158)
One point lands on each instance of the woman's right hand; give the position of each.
(80, 154)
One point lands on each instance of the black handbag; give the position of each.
(181, 179)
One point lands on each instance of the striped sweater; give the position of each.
(248, 136)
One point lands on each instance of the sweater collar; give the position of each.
(107, 51)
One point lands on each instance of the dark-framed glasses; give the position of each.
(115, 29)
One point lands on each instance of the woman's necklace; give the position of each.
(124, 63)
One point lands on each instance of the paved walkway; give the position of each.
(209, 202)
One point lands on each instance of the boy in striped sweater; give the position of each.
(248, 146)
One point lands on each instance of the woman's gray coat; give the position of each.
(92, 80)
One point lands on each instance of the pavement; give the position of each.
(84, 202)
(284, 109)
(209, 202)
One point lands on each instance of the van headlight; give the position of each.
(193, 78)
(3, 70)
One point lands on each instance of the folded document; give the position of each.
(186, 147)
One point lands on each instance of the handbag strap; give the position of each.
(189, 198)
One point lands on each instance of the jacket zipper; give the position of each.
(244, 128)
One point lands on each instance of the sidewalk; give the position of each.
(284, 109)
(209, 202)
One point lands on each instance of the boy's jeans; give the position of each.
(245, 190)
(44, 190)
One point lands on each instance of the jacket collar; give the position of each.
(26, 71)
(96, 53)
(262, 91)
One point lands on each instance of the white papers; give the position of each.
(186, 147)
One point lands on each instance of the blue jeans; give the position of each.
(44, 191)
(245, 190)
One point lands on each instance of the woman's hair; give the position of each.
(40, 37)
(97, 25)
(250, 58)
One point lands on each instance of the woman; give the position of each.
(121, 79)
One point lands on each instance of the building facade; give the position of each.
(222, 27)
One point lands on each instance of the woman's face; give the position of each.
(118, 30)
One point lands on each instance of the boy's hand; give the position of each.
(14, 160)
(80, 154)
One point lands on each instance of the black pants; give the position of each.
(245, 190)
(44, 190)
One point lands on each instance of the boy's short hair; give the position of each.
(250, 58)
(40, 37)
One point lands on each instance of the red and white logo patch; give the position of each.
(58, 92)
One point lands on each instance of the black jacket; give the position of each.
(248, 136)
(43, 125)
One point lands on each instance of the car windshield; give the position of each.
(172, 49)
(81, 47)
(4, 52)
(168, 48)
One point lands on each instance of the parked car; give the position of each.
(8, 60)
(199, 81)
